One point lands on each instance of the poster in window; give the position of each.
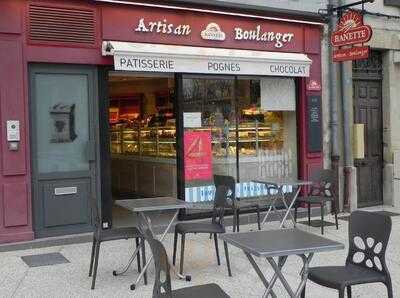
(198, 155)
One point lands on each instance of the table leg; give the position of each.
(145, 222)
(260, 274)
(288, 208)
(281, 263)
(272, 206)
(278, 272)
(304, 272)
(128, 265)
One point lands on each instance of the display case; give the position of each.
(159, 141)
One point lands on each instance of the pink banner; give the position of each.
(198, 155)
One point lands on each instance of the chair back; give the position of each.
(229, 182)
(220, 203)
(368, 239)
(162, 283)
(324, 183)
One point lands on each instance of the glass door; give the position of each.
(209, 133)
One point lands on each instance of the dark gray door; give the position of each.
(63, 147)
(368, 110)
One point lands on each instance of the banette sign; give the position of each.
(350, 31)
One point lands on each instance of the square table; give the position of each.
(281, 243)
(142, 207)
(279, 184)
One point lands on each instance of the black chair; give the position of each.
(236, 206)
(162, 284)
(368, 239)
(100, 235)
(216, 226)
(322, 191)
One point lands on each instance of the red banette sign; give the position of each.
(350, 31)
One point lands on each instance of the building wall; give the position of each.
(16, 52)
(386, 38)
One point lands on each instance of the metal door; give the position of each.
(63, 147)
(367, 87)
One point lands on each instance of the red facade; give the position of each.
(20, 45)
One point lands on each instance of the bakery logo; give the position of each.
(213, 32)
(313, 86)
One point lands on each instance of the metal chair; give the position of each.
(368, 239)
(236, 205)
(322, 191)
(100, 235)
(162, 284)
(216, 226)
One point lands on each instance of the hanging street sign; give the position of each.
(351, 30)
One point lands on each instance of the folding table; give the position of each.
(143, 207)
(279, 184)
(280, 243)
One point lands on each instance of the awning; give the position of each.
(170, 58)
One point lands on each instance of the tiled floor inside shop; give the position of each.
(71, 279)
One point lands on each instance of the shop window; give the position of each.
(249, 127)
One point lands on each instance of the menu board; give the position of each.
(198, 155)
(314, 142)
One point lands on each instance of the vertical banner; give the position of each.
(198, 155)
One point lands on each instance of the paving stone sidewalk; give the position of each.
(71, 279)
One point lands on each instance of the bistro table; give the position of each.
(143, 207)
(280, 243)
(280, 184)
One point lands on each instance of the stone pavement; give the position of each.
(71, 279)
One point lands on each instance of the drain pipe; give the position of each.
(333, 98)
(346, 94)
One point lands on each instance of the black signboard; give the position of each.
(314, 120)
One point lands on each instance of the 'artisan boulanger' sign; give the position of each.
(350, 31)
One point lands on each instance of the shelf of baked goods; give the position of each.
(161, 141)
(158, 141)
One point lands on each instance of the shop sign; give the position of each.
(197, 155)
(353, 53)
(165, 26)
(350, 31)
(162, 27)
(314, 85)
(207, 65)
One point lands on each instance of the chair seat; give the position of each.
(119, 233)
(201, 291)
(199, 228)
(338, 277)
(314, 199)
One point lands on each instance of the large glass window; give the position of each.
(209, 115)
(242, 127)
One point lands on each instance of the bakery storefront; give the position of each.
(131, 100)
(193, 94)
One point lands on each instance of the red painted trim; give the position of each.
(73, 54)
